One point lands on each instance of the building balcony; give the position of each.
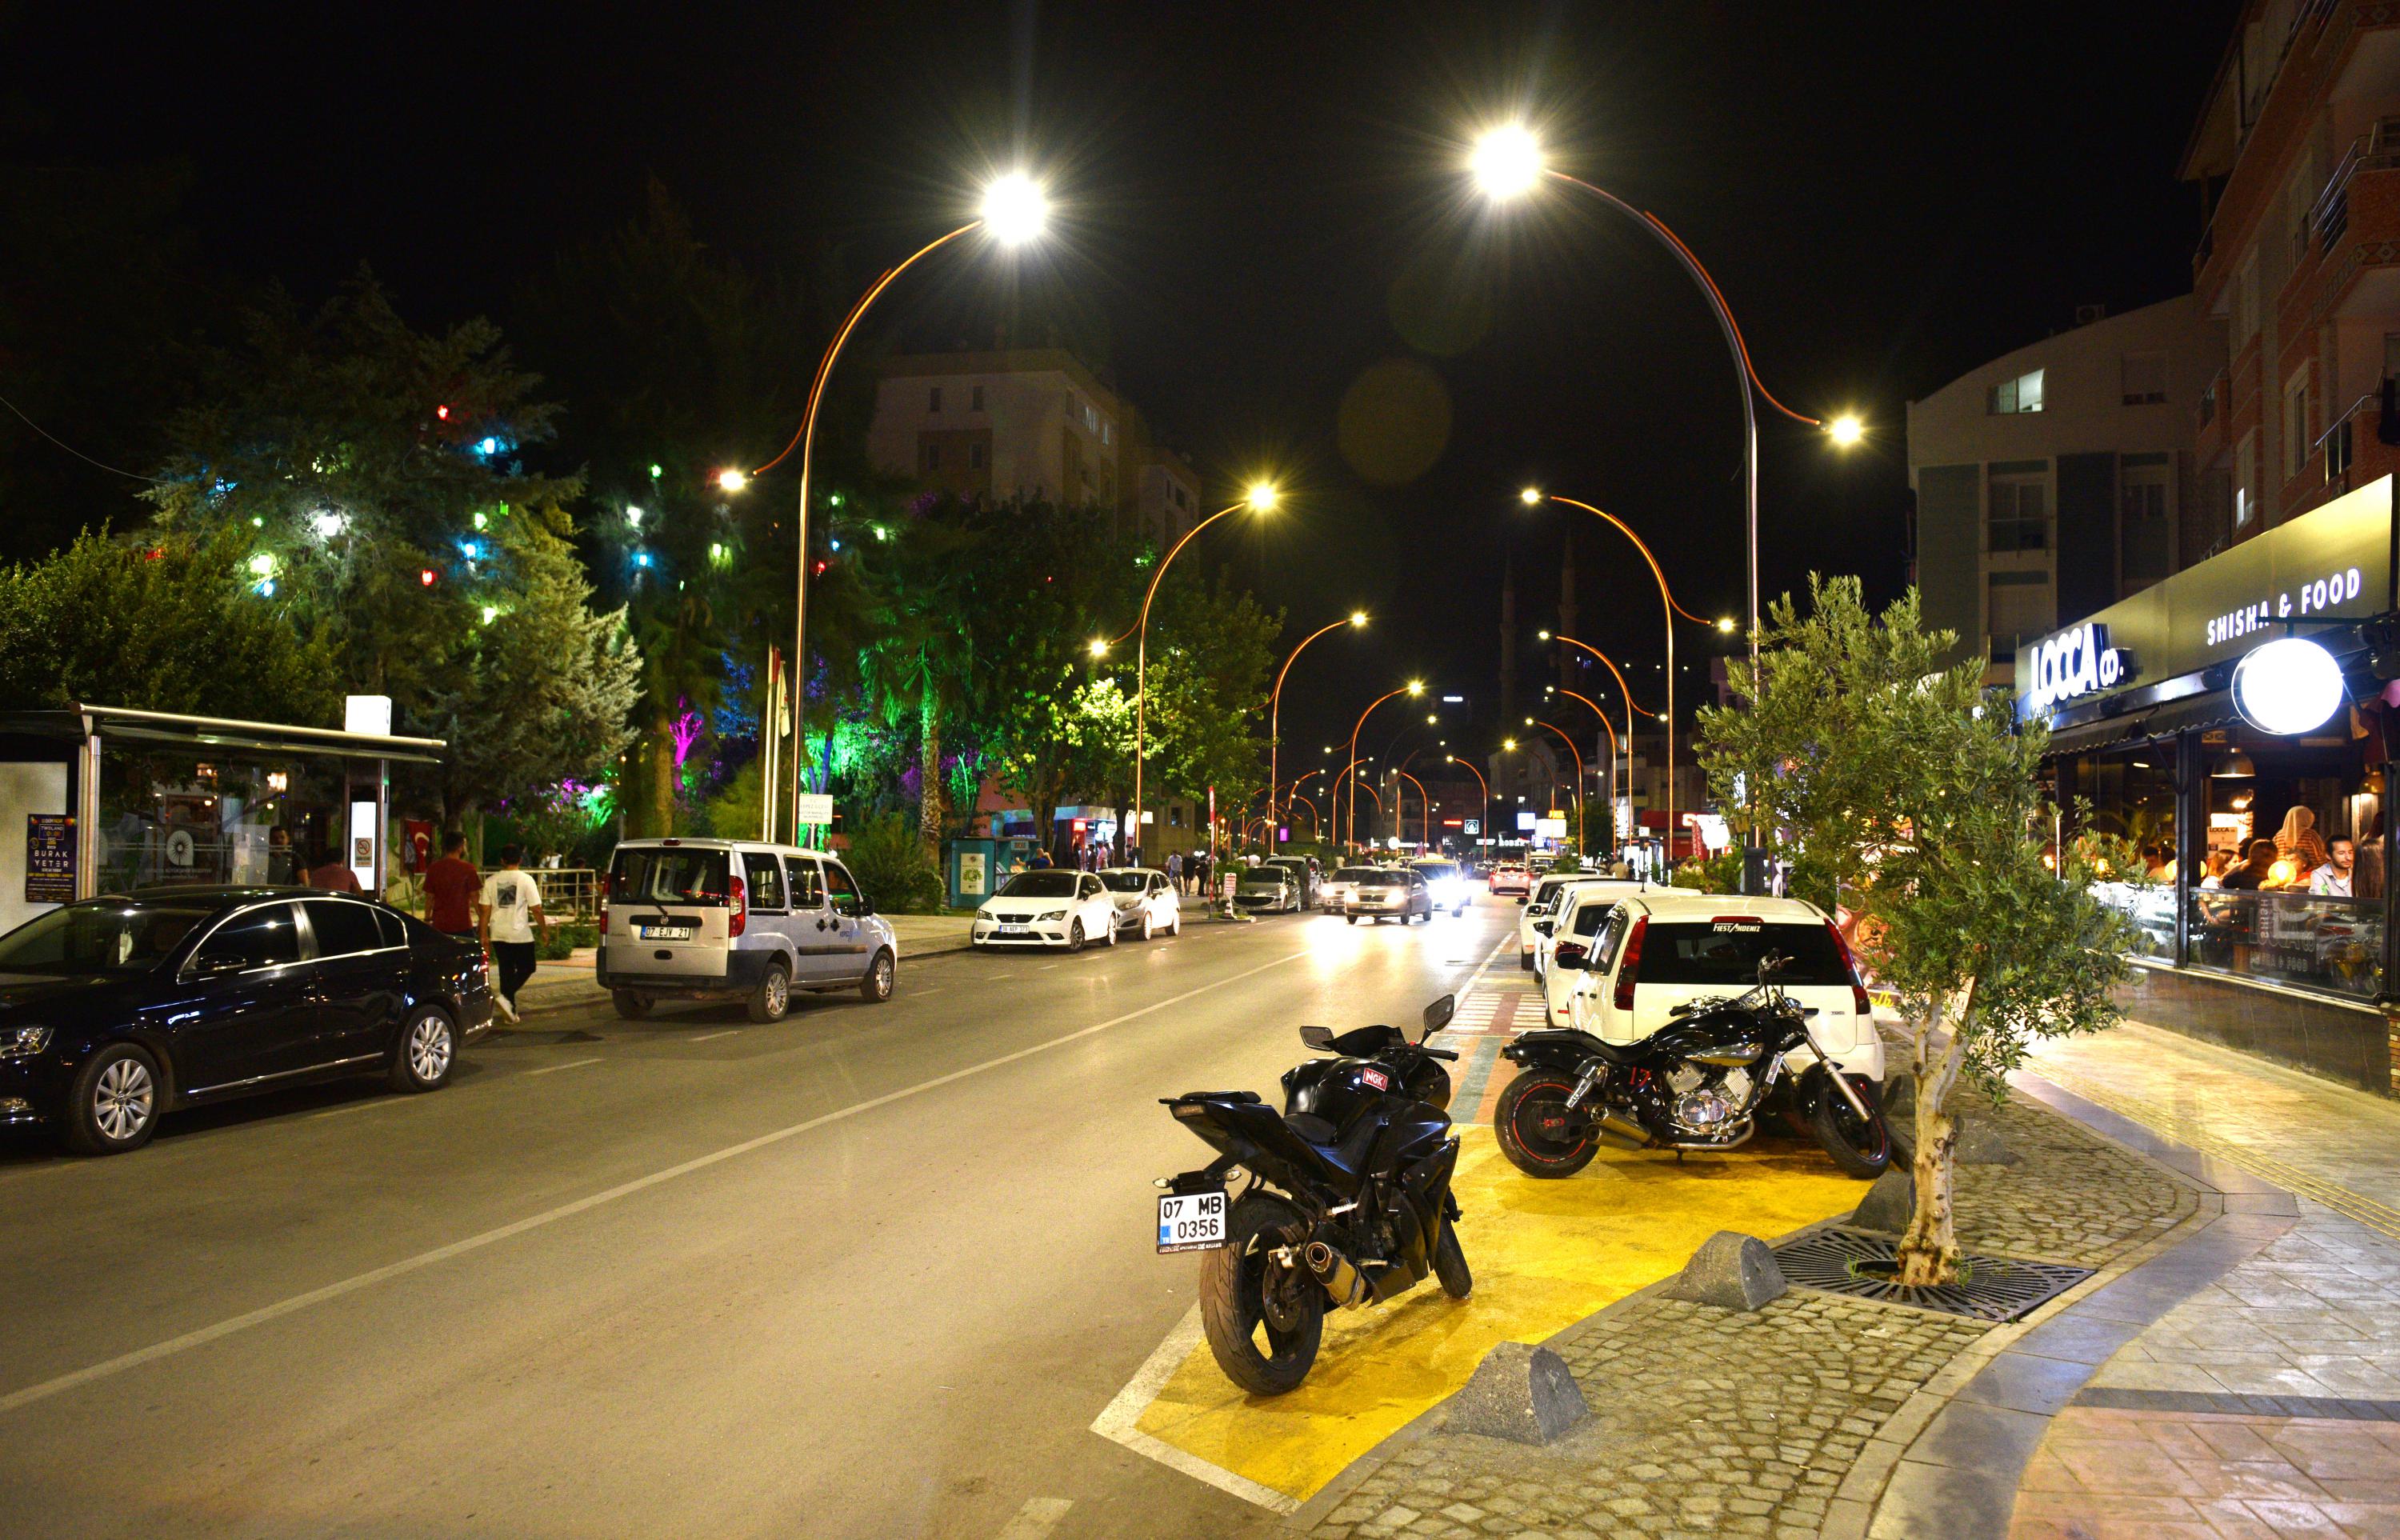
(2355, 229)
(2209, 436)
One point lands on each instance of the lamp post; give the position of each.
(1333, 789)
(1014, 211)
(1414, 688)
(1538, 722)
(1261, 498)
(1613, 747)
(1487, 793)
(1274, 701)
(1507, 162)
(1425, 810)
(1631, 705)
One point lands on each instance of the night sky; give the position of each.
(1264, 215)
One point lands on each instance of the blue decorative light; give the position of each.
(489, 446)
(836, 544)
(470, 548)
(641, 558)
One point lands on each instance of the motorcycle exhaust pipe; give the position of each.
(1333, 1270)
(1614, 1124)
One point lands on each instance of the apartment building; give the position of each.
(2062, 477)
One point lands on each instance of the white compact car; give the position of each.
(1268, 888)
(1621, 963)
(1334, 894)
(1146, 901)
(1542, 908)
(1057, 908)
(1447, 884)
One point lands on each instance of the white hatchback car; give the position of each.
(1550, 897)
(1053, 908)
(1146, 901)
(1631, 959)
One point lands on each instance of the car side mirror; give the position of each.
(1317, 1037)
(1569, 957)
(217, 967)
(1438, 1015)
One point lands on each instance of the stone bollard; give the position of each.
(1889, 1204)
(1519, 1392)
(1733, 1271)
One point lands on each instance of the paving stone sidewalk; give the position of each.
(1710, 1422)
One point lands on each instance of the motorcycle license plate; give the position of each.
(1194, 1221)
(666, 932)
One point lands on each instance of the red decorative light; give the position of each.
(443, 411)
(425, 577)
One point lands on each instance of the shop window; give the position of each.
(170, 816)
(2020, 503)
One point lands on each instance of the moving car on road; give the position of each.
(117, 1010)
(1146, 902)
(1046, 909)
(1447, 884)
(1304, 876)
(1334, 892)
(733, 919)
(1394, 892)
(1268, 888)
(1513, 879)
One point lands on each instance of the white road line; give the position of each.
(705, 1036)
(1116, 1421)
(359, 1106)
(423, 1260)
(1036, 1519)
(930, 989)
(570, 1064)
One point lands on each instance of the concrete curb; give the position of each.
(585, 991)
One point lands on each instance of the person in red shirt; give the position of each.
(451, 885)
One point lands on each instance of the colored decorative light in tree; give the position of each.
(471, 550)
(487, 446)
(480, 520)
(425, 577)
(657, 470)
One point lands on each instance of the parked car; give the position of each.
(1046, 909)
(1541, 908)
(1268, 888)
(1397, 892)
(733, 919)
(1303, 875)
(1512, 879)
(1635, 956)
(117, 1010)
(1597, 891)
(1447, 884)
(1146, 902)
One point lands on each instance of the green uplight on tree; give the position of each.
(656, 472)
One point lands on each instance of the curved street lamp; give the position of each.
(1425, 810)
(1480, 782)
(1333, 789)
(1013, 210)
(1358, 620)
(1613, 746)
(1414, 688)
(1538, 722)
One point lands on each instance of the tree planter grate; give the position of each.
(1991, 1288)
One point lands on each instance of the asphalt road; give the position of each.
(870, 1271)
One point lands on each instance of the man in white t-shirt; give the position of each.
(2335, 879)
(510, 919)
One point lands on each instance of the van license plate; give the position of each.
(1192, 1222)
(666, 932)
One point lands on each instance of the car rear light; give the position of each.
(1859, 1000)
(604, 915)
(741, 908)
(1630, 967)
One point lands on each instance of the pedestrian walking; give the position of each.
(451, 886)
(1175, 870)
(512, 924)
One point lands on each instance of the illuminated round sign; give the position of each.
(2286, 686)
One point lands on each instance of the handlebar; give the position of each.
(1439, 1052)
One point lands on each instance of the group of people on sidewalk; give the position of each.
(502, 912)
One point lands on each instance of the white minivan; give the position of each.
(733, 919)
(1633, 958)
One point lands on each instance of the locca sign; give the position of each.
(2076, 662)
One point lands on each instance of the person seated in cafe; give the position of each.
(2369, 877)
(2213, 872)
(2299, 842)
(326, 870)
(2337, 878)
(2252, 873)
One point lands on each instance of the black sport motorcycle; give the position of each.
(1699, 1083)
(1346, 1198)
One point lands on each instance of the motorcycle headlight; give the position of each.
(23, 1042)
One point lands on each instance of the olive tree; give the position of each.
(1914, 787)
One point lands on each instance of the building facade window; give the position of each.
(975, 398)
(2144, 378)
(2016, 605)
(2245, 303)
(2145, 542)
(2019, 519)
(933, 457)
(933, 400)
(2246, 480)
(2299, 423)
(2021, 394)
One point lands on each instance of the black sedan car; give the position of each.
(116, 1010)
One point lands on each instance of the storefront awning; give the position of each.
(81, 721)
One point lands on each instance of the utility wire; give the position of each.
(135, 475)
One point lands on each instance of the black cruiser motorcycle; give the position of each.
(1345, 1197)
(1699, 1083)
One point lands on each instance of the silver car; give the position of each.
(731, 920)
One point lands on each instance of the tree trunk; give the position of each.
(661, 811)
(929, 790)
(1929, 1252)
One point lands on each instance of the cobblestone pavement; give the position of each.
(1710, 1422)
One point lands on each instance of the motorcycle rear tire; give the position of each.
(1233, 1310)
(1865, 1154)
(1449, 1265)
(1531, 1151)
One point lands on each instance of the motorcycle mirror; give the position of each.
(1317, 1037)
(1438, 1015)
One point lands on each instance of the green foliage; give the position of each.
(893, 868)
(560, 941)
(1715, 874)
(171, 628)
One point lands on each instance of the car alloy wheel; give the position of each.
(123, 1100)
(429, 1048)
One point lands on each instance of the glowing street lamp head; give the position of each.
(1846, 429)
(1260, 496)
(732, 481)
(1416, 687)
(1530, 497)
(1507, 161)
(1099, 647)
(1015, 208)
(1542, 635)
(1510, 744)
(1726, 625)
(1357, 616)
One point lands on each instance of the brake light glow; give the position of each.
(1859, 1000)
(741, 908)
(1628, 969)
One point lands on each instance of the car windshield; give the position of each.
(1127, 882)
(1724, 953)
(660, 874)
(1267, 876)
(1052, 884)
(99, 936)
(1361, 874)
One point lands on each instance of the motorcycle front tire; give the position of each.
(1518, 1120)
(1861, 1153)
(1233, 1304)
(1450, 1264)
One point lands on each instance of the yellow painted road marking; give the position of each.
(1545, 1254)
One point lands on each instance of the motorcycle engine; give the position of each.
(1706, 1102)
